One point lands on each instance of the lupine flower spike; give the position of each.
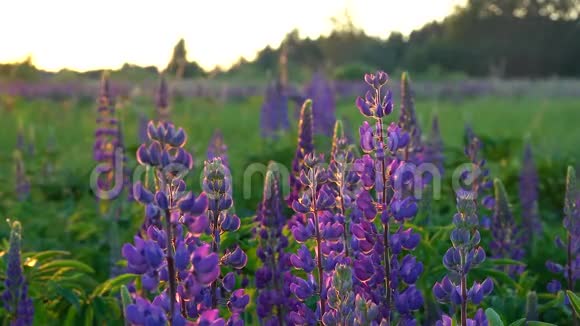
(507, 239)
(274, 111)
(571, 269)
(315, 203)
(171, 248)
(464, 255)
(15, 297)
(386, 276)
(305, 146)
(272, 302)
(477, 176)
(106, 140)
(162, 107)
(323, 104)
(218, 148)
(408, 121)
(529, 195)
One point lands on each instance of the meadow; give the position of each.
(61, 212)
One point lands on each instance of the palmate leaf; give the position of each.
(574, 302)
(539, 323)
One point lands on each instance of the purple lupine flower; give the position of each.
(323, 104)
(274, 111)
(479, 320)
(15, 297)
(408, 121)
(305, 146)
(476, 178)
(433, 150)
(508, 241)
(272, 301)
(315, 205)
(162, 108)
(384, 275)
(218, 148)
(464, 255)
(217, 184)
(106, 137)
(22, 182)
(170, 248)
(570, 271)
(529, 195)
(142, 128)
(344, 180)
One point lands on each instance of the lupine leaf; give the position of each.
(493, 318)
(539, 323)
(113, 283)
(574, 302)
(66, 263)
(518, 322)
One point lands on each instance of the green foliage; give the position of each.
(574, 302)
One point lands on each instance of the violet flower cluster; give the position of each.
(15, 297)
(162, 109)
(305, 146)
(218, 148)
(477, 176)
(273, 291)
(529, 195)
(21, 179)
(464, 255)
(321, 93)
(217, 184)
(315, 205)
(274, 111)
(344, 181)
(507, 237)
(408, 122)
(179, 271)
(433, 150)
(385, 271)
(106, 137)
(570, 270)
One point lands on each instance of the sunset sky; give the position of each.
(85, 35)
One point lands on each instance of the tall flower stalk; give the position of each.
(477, 176)
(218, 148)
(305, 146)
(274, 111)
(529, 194)
(272, 302)
(217, 184)
(381, 256)
(571, 244)
(344, 180)
(162, 108)
(464, 255)
(408, 121)
(315, 203)
(508, 241)
(171, 249)
(321, 93)
(21, 180)
(15, 297)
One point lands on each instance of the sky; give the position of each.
(86, 35)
